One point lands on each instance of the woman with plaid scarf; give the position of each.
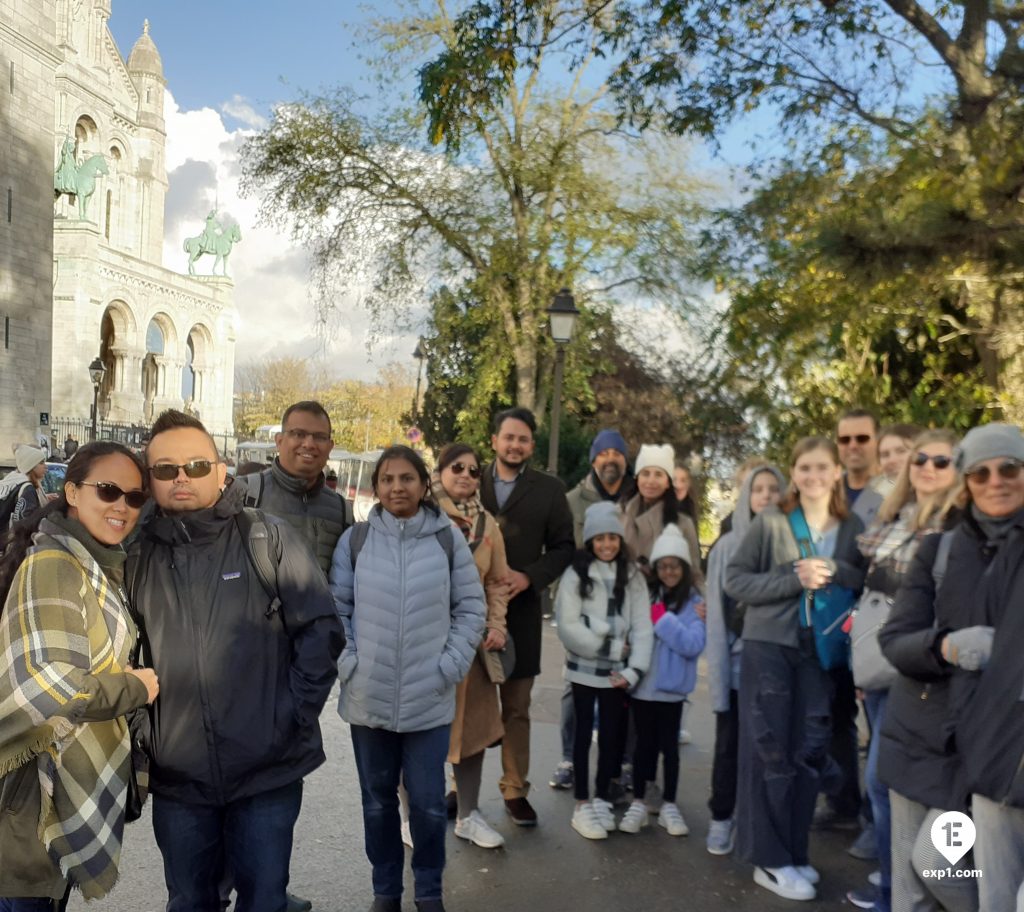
(913, 509)
(66, 685)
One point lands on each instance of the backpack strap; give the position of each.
(263, 546)
(356, 540)
(254, 489)
(801, 532)
(446, 540)
(942, 558)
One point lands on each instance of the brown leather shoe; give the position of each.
(521, 812)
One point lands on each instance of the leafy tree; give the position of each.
(544, 190)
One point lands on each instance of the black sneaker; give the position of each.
(429, 905)
(386, 904)
(451, 803)
(298, 904)
(828, 818)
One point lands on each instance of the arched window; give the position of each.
(188, 375)
(154, 338)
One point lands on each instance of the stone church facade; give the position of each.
(165, 339)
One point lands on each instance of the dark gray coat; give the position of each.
(241, 685)
(537, 526)
(318, 514)
(761, 575)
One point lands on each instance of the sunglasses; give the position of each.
(845, 439)
(1009, 470)
(198, 468)
(459, 467)
(940, 462)
(111, 493)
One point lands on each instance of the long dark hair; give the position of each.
(400, 451)
(669, 506)
(676, 597)
(452, 452)
(585, 556)
(18, 540)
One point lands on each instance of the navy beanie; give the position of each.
(608, 439)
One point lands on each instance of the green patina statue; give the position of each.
(214, 241)
(78, 181)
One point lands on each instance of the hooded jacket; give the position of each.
(723, 646)
(318, 514)
(241, 684)
(679, 639)
(412, 622)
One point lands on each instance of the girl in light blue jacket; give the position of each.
(677, 611)
(409, 597)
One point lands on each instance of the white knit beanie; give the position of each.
(656, 456)
(26, 458)
(670, 544)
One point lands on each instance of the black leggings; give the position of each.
(726, 763)
(613, 712)
(657, 734)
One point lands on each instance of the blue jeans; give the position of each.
(252, 837)
(383, 758)
(875, 702)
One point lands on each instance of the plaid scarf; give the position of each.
(896, 541)
(463, 513)
(65, 634)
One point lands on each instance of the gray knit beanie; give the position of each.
(601, 517)
(990, 441)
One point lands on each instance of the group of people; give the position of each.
(169, 629)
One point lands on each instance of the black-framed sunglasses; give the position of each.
(197, 468)
(940, 462)
(844, 439)
(459, 467)
(111, 493)
(1010, 470)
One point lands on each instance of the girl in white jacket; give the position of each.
(604, 622)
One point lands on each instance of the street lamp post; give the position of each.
(562, 315)
(420, 355)
(96, 371)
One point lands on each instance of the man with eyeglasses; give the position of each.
(295, 489)
(237, 726)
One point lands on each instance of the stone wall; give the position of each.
(28, 62)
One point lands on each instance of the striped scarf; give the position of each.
(64, 634)
(464, 513)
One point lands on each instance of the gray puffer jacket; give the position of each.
(412, 622)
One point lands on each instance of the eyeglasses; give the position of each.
(1010, 470)
(940, 461)
(459, 467)
(197, 468)
(845, 439)
(299, 436)
(111, 493)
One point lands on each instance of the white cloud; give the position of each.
(272, 293)
(240, 109)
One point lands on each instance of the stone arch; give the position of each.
(87, 137)
(198, 359)
(161, 346)
(117, 336)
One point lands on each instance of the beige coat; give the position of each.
(477, 723)
(643, 527)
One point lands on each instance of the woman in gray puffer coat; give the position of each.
(410, 599)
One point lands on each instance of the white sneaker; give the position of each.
(478, 831)
(635, 818)
(605, 813)
(407, 833)
(808, 873)
(875, 878)
(721, 837)
(671, 819)
(684, 736)
(586, 822)
(784, 882)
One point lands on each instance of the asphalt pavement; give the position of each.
(548, 868)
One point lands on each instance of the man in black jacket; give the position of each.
(535, 520)
(294, 488)
(249, 674)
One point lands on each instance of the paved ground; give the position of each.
(547, 869)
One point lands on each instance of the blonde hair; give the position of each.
(932, 507)
(837, 505)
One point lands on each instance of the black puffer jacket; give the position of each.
(241, 686)
(950, 732)
(318, 514)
